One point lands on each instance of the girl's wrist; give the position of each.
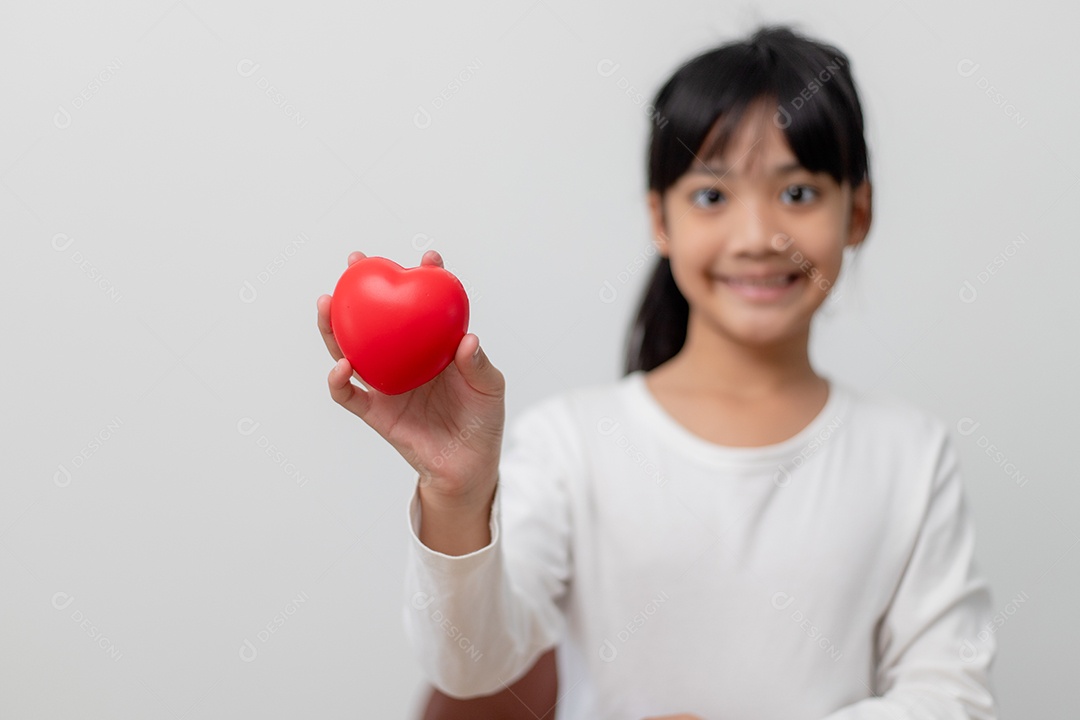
(473, 500)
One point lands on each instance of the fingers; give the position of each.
(349, 396)
(323, 305)
(431, 257)
(477, 370)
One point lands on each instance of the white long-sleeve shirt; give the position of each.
(826, 577)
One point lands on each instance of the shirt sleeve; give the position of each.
(934, 654)
(478, 622)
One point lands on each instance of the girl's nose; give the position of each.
(754, 230)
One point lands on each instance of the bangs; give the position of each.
(806, 87)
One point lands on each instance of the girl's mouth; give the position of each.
(771, 288)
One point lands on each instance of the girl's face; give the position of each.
(734, 227)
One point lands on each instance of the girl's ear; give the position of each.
(861, 213)
(656, 218)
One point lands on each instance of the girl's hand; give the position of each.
(448, 429)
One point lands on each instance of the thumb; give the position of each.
(476, 368)
(355, 400)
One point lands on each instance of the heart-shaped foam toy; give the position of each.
(398, 327)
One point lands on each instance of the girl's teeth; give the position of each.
(772, 282)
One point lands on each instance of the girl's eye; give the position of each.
(707, 197)
(800, 194)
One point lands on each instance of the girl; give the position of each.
(723, 533)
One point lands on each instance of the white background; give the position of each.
(177, 474)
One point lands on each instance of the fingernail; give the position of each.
(476, 352)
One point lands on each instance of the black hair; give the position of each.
(817, 108)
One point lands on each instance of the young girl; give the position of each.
(723, 533)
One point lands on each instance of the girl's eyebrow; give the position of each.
(720, 169)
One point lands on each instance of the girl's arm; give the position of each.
(479, 621)
(532, 697)
(934, 646)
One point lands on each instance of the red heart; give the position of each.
(398, 327)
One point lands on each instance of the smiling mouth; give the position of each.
(765, 282)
